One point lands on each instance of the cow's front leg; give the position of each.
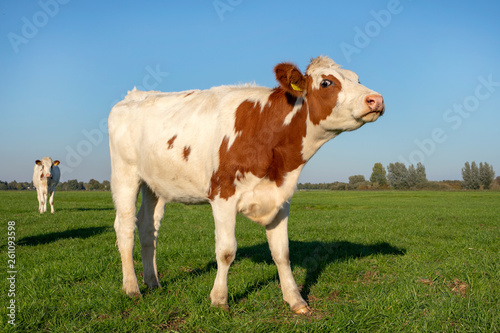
(51, 201)
(225, 248)
(277, 237)
(43, 207)
(40, 201)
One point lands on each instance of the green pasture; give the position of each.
(383, 261)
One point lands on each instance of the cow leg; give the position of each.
(277, 237)
(51, 200)
(40, 201)
(44, 202)
(125, 190)
(225, 248)
(148, 223)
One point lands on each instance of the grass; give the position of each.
(365, 261)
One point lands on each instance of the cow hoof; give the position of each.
(223, 307)
(303, 310)
(133, 294)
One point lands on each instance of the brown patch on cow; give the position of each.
(171, 142)
(322, 100)
(186, 152)
(263, 145)
(188, 94)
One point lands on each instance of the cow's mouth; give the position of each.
(371, 115)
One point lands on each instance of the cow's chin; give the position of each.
(371, 116)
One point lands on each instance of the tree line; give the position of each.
(70, 185)
(399, 177)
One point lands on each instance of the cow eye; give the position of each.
(326, 83)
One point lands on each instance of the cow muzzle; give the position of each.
(376, 108)
(375, 103)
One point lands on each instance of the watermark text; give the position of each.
(31, 26)
(11, 272)
(453, 117)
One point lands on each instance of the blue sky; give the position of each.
(64, 63)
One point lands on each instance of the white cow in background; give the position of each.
(46, 175)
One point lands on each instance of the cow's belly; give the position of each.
(174, 181)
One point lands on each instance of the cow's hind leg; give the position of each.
(148, 223)
(277, 237)
(125, 187)
(225, 248)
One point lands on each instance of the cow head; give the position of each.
(336, 100)
(45, 167)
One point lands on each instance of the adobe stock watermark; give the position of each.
(454, 117)
(223, 6)
(364, 36)
(32, 25)
(11, 272)
(95, 136)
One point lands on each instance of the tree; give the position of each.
(353, 180)
(470, 174)
(397, 175)
(467, 176)
(486, 175)
(421, 176)
(411, 177)
(475, 175)
(93, 185)
(105, 185)
(378, 174)
(73, 185)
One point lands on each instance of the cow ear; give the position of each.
(38, 162)
(56, 162)
(290, 79)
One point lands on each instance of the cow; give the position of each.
(46, 175)
(240, 148)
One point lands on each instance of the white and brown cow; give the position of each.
(46, 175)
(240, 148)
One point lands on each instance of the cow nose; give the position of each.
(375, 103)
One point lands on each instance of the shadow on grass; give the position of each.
(55, 236)
(312, 256)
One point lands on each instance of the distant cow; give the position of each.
(46, 175)
(240, 148)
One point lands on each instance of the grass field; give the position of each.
(366, 262)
